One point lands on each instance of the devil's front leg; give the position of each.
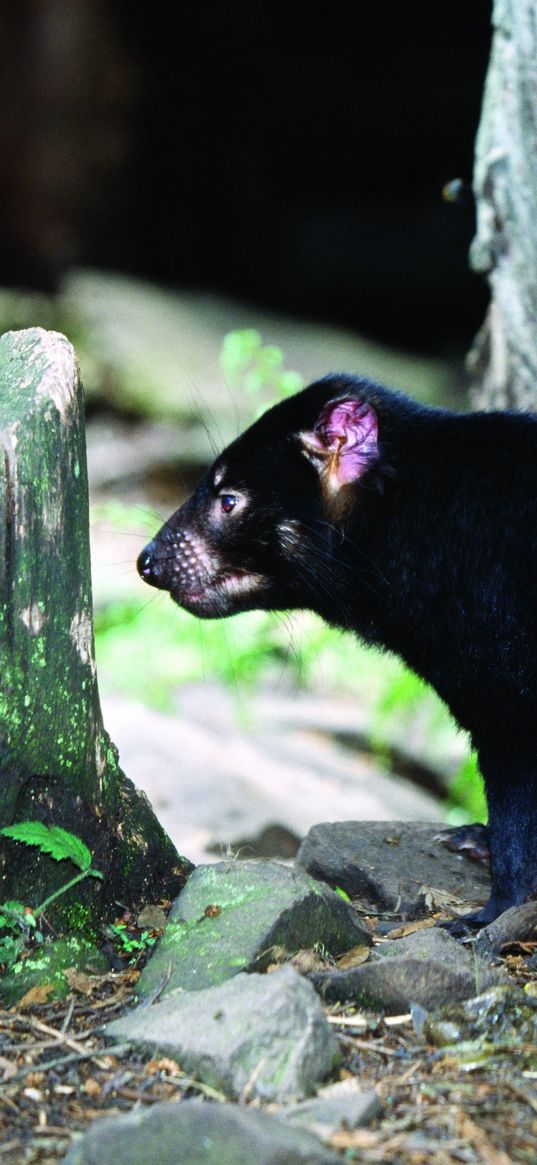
(511, 786)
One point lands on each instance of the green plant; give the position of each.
(258, 368)
(129, 944)
(467, 790)
(22, 920)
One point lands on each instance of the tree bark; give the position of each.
(57, 763)
(503, 361)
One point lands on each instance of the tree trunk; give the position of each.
(57, 763)
(503, 361)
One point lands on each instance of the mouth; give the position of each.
(218, 595)
(196, 577)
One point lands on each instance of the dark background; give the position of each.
(292, 156)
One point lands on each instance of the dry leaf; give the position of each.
(79, 981)
(8, 1068)
(171, 1067)
(34, 1078)
(212, 911)
(407, 928)
(353, 958)
(438, 899)
(36, 995)
(307, 960)
(353, 1139)
(91, 1087)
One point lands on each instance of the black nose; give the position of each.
(147, 567)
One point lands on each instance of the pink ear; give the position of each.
(344, 442)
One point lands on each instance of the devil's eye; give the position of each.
(227, 503)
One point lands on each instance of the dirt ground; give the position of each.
(57, 1074)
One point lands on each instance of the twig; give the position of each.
(52, 1131)
(205, 1089)
(60, 1061)
(60, 1036)
(351, 1042)
(348, 1020)
(522, 1094)
(4, 1099)
(68, 1015)
(479, 1139)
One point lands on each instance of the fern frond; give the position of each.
(53, 840)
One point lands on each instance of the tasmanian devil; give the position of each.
(415, 528)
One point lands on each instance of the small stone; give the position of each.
(233, 915)
(340, 1105)
(428, 968)
(195, 1132)
(256, 1035)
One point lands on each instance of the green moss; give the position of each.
(47, 967)
(79, 920)
(52, 737)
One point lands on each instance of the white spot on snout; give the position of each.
(198, 555)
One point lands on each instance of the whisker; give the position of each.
(341, 564)
(126, 563)
(343, 537)
(196, 397)
(317, 582)
(127, 620)
(118, 533)
(293, 650)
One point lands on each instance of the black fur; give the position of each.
(431, 553)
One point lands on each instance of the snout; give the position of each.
(181, 562)
(150, 568)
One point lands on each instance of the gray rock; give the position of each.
(197, 1133)
(257, 1035)
(429, 968)
(233, 915)
(340, 1105)
(395, 866)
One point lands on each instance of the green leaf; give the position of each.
(51, 840)
(12, 912)
(10, 949)
(13, 906)
(342, 893)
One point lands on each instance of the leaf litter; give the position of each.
(457, 1087)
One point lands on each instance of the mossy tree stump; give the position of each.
(57, 763)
